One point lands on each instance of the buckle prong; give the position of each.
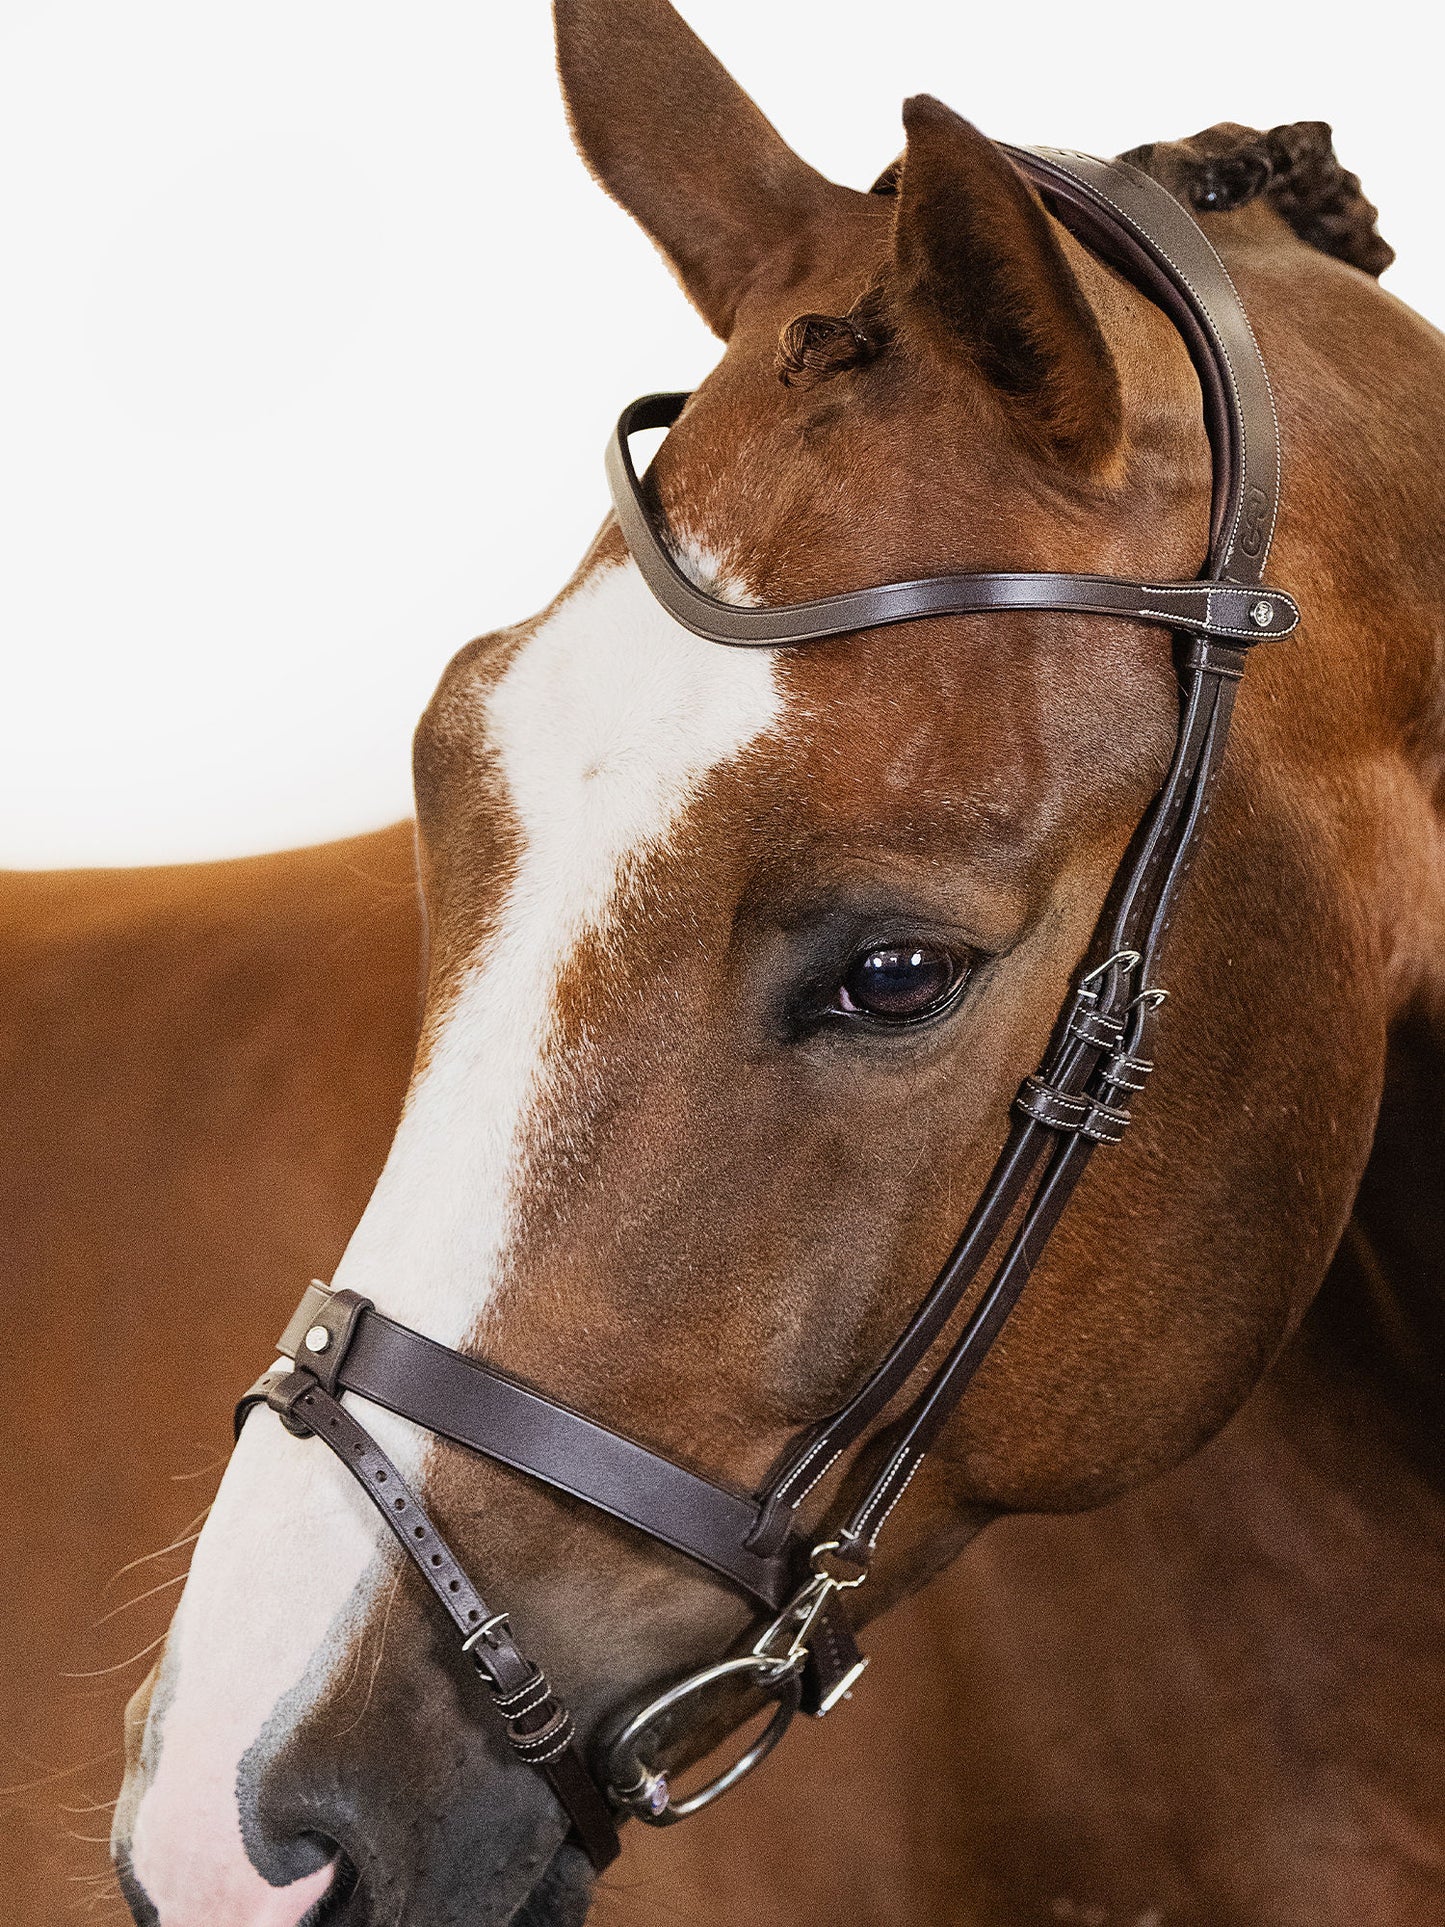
(1153, 998)
(1122, 959)
(486, 1632)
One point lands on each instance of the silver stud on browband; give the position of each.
(317, 1339)
(1262, 615)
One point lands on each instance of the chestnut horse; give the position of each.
(649, 1160)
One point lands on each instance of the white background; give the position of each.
(314, 326)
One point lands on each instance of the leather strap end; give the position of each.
(287, 1391)
(591, 1817)
(258, 1394)
(834, 1661)
(320, 1331)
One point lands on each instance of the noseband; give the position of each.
(1079, 1098)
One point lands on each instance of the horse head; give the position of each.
(737, 958)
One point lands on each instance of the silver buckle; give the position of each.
(486, 1630)
(1126, 960)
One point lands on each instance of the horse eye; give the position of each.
(901, 983)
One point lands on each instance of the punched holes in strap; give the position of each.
(538, 1726)
(482, 1408)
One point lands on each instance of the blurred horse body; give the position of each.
(201, 1072)
(203, 1067)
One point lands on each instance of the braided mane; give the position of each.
(1294, 167)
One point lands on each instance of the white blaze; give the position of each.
(603, 727)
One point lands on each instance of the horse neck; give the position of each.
(1372, 1346)
(1316, 1522)
(1296, 1566)
(1338, 1463)
(1361, 715)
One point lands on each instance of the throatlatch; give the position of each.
(1079, 1098)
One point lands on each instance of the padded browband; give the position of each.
(1170, 259)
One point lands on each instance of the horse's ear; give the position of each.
(981, 265)
(675, 140)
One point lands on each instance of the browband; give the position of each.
(1128, 218)
(1228, 611)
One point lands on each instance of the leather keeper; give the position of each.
(1097, 1028)
(320, 1332)
(257, 1394)
(1127, 1073)
(1216, 658)
(283, 1397)
(1105, 1124)
(1059, 1110)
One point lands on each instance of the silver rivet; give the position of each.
(1262, 614)
(317, 1339)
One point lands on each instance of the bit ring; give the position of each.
(644, 1790)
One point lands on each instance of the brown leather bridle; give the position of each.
(1079, 1098)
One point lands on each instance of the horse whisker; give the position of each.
(103, 1672)
(202, 1472)
(175, 1579)
(188, 1534)
(380, 1648)
(54, 1773)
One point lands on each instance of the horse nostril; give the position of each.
(343, 1904)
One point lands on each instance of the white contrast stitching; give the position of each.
(821, 1472)
(812, 1452)
(1205, 628)
(893, 1464)
(873, 1538)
